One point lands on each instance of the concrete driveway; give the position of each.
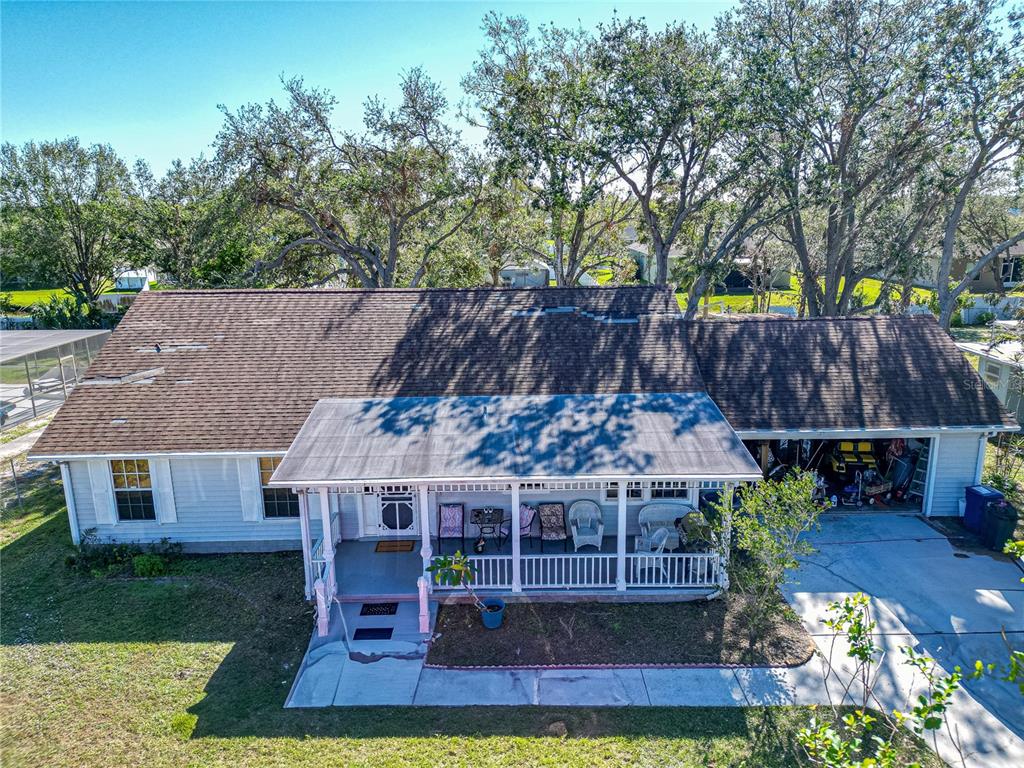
(949, 604)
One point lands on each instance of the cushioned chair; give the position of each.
(526, 518)
(586, 523)
(552, 524)
(451, 524)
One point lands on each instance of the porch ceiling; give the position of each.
(405, 439)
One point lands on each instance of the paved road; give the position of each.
(951, 607)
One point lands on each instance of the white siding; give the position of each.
(956, 464)
(208, 506)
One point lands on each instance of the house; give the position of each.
(1001, 367)
(134, 279)
(737, 279)
(349, 424)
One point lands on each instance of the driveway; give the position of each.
(950, 604)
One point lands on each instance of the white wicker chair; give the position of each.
(654, 547)
(587, 524)
(655, 516)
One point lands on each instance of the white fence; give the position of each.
(595, 571)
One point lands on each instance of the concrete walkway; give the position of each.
(391, 681)
(949, 605)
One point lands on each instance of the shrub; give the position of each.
(147, 566)
(99, 559)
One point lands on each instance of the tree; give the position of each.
(535, 97)
(841, 88)
(203, 229)
(981, 63)
(66, 213)
(505, 229)
(677, 132)
(768, 529)
(383, 203)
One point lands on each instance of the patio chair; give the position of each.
(451, 524)
(526, 518)
(655, 516)
(587, 524)
(552, 524)
(654, 547)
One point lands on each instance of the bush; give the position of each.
(99, 559)
(984, 318)
(147, 566)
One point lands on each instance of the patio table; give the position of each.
(488, 522)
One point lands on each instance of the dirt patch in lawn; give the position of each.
(564, 634)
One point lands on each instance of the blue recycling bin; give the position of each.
(974, 511)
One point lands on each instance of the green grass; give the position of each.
(192, 670)
(24, 300)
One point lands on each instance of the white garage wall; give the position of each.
(956, 466)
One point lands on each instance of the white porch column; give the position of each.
(426, 552)
(723, 557)
(517, 584)
(328, 536)
(620, 539)
(307, 545)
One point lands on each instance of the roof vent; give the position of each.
(119, 421)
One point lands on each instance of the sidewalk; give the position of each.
(334, 679)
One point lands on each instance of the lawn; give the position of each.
(192, 669)
(24, 300)
(697, 632)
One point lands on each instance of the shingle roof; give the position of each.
(241, 370)
(841, 373)
(397, 439)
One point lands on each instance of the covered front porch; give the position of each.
(532, 487)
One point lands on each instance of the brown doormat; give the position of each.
(395, 546)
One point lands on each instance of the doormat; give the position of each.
(395, 546)
(373, 633)
(378, 609)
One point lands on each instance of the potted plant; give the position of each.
(456, 571)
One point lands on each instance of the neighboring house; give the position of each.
(134, 280)
(1003, 273)
(535, 274)
(736, 280)
(1001, 367)
(259, 420)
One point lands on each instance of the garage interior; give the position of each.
(879, 474)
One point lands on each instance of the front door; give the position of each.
(397, 514)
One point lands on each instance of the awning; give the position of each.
(408, 439)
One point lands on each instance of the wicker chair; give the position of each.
(552, 524)
(659, 515)
(451, 524)
(654, 547)
(586, 523)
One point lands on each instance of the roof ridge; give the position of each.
(391, 291)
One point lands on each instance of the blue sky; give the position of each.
(147, 77)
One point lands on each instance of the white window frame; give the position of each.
(263, 502)
(128, 489)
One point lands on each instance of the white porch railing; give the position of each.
(685, 570)
(318, 559)
(568, 571)
(595, 571)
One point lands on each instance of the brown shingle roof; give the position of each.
(241, 370)
(840, 373)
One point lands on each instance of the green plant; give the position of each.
(859, 739)
(456, 571)
(767, 530)
(147, 566)
(98, 559)
(62, 312)
(1006, 467)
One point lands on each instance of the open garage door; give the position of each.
(854, 473)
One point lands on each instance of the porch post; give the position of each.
(517, 584)
(307, 554)
(328, 536)
(425, 550)
(620, 539)
(723, 557)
